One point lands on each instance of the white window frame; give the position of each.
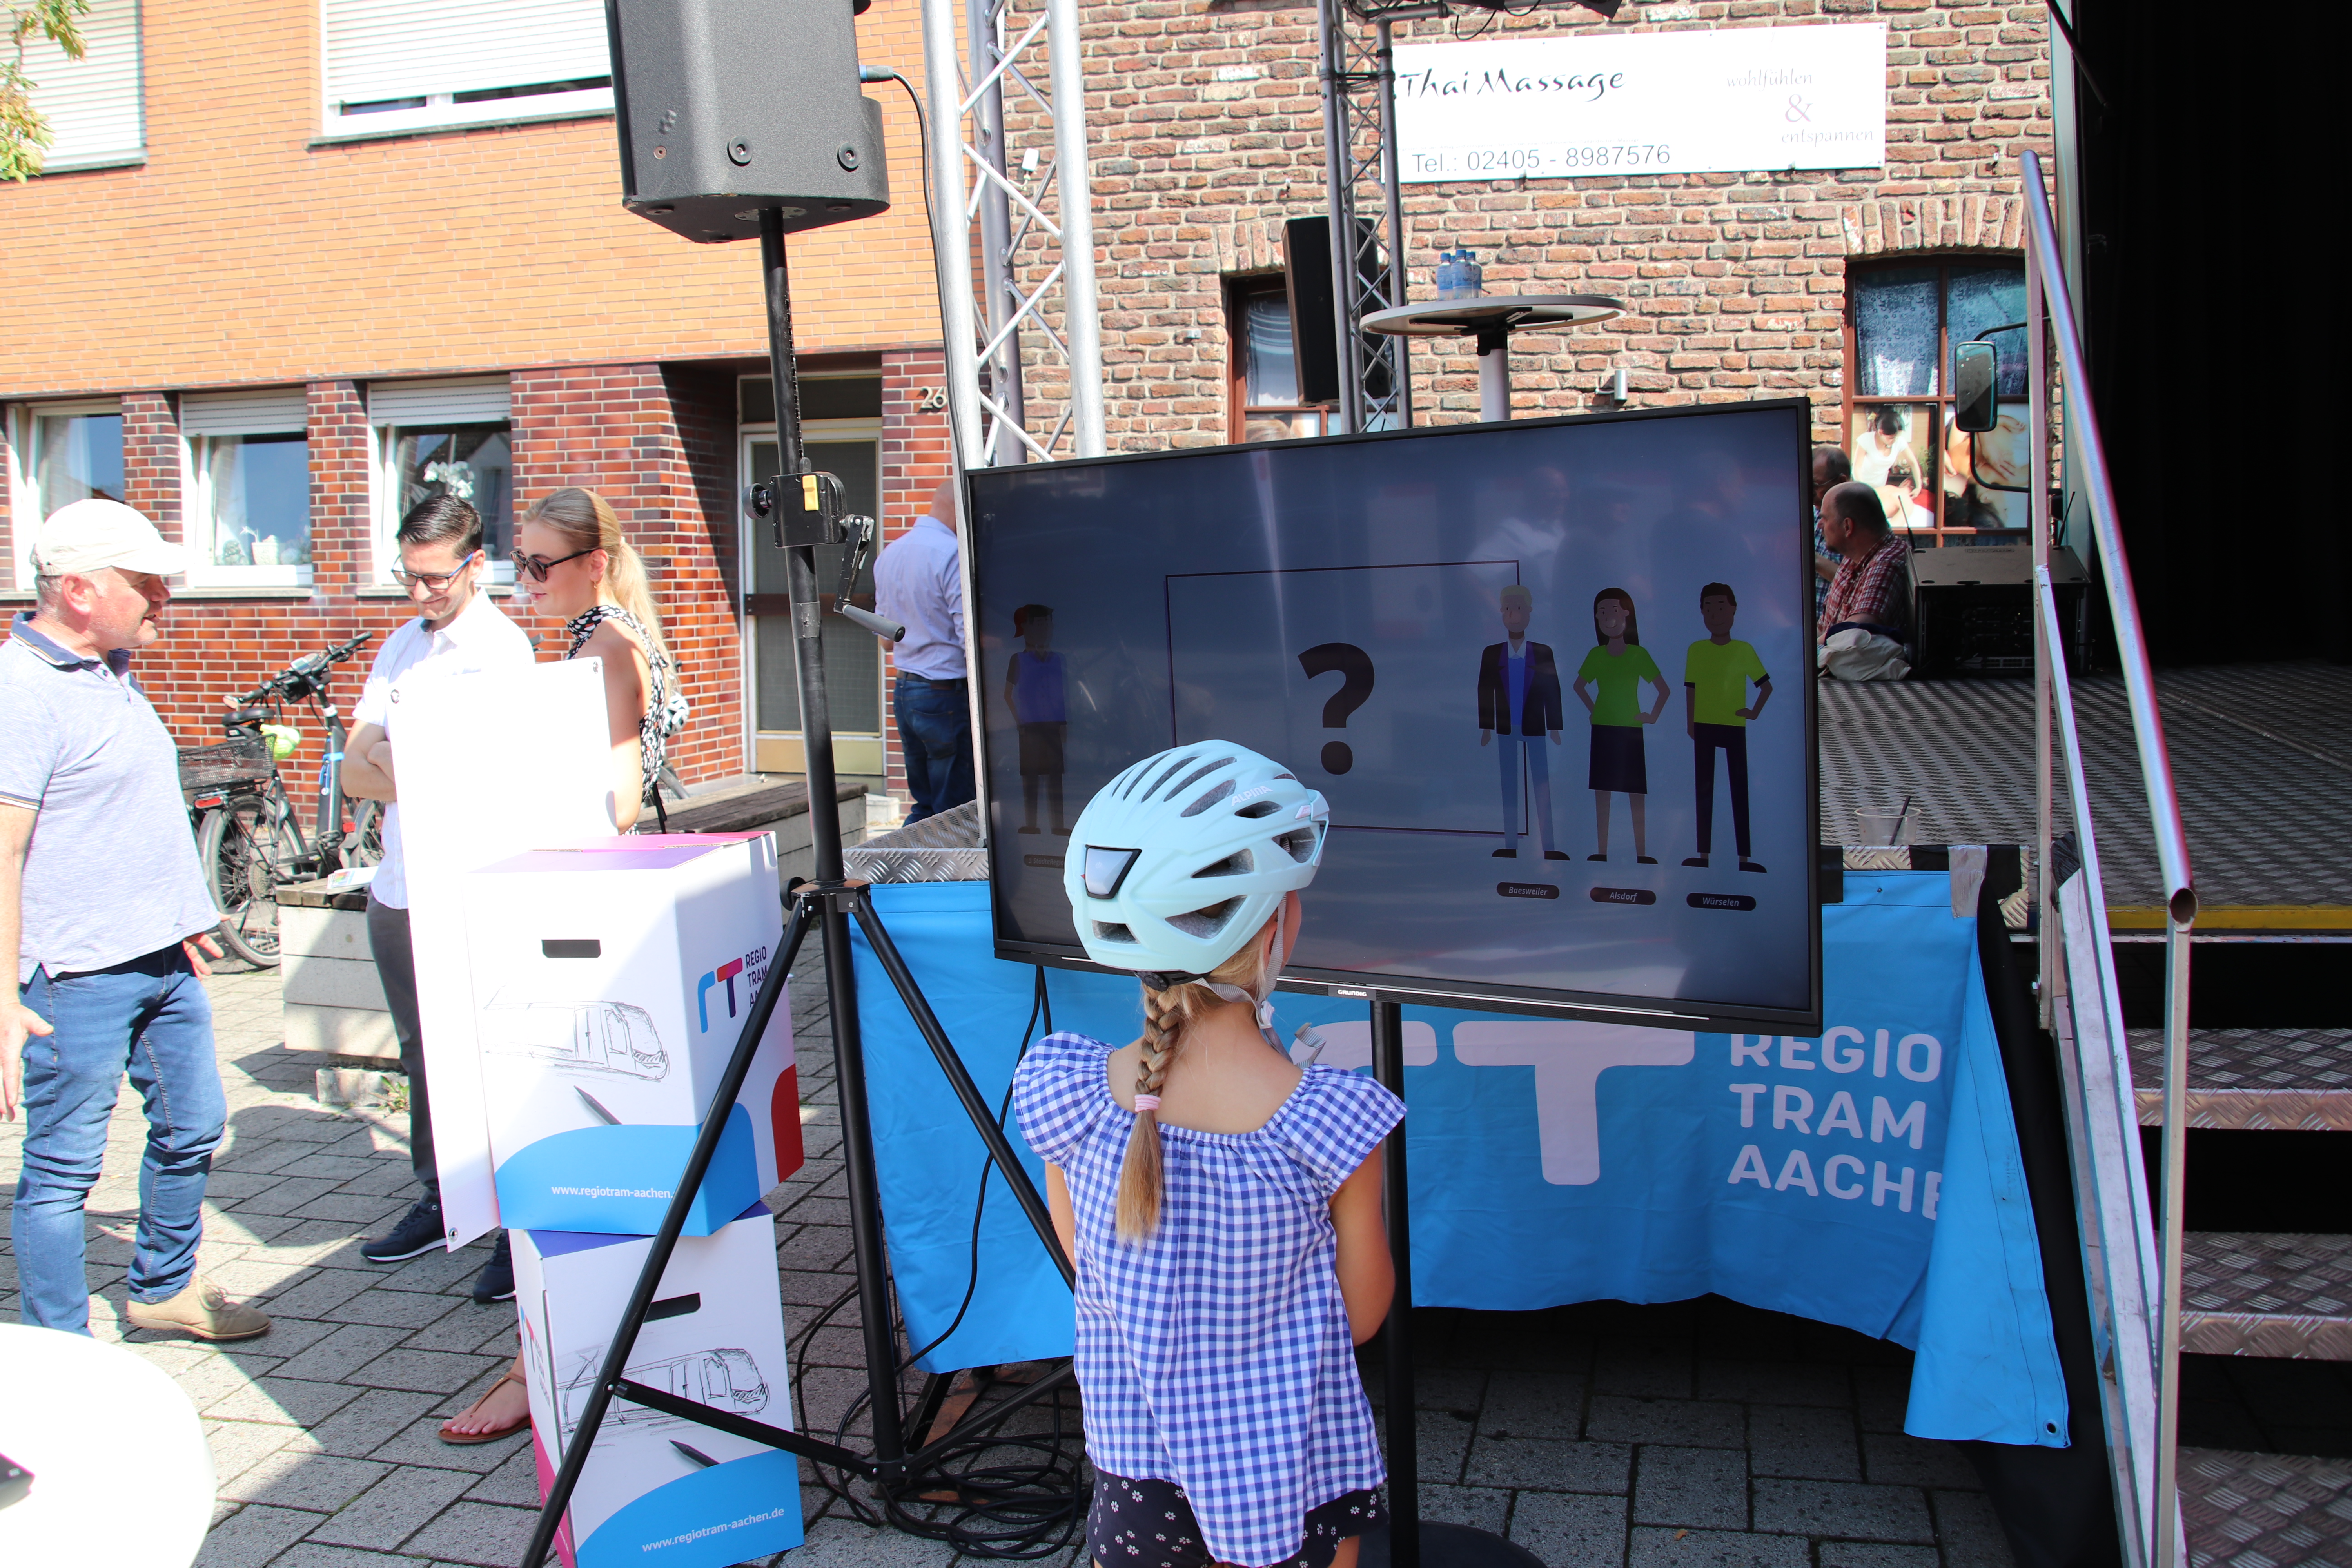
(194, 500)
(108, 37)
(384, 482)
(24, 476)
(440, 110)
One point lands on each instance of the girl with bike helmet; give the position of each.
(1221, 1205)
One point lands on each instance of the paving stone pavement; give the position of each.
(1701, 1435)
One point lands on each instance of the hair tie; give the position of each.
(1144, 1102)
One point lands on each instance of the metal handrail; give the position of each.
(2050, 306)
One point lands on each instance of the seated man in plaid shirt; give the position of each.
(1866, 615)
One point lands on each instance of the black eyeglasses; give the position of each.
(435, 580)
(536, 567)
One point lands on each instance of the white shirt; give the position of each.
(479, 639)
(919, 583)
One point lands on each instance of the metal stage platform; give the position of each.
(2261, 755)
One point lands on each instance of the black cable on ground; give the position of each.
(1029, 1497)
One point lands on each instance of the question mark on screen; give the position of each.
(1356, 668)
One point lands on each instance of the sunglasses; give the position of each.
(537, 567)
(432, 580)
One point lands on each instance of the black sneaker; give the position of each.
(496, 1282)
(419, 1231)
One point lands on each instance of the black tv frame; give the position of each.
(1706, 1016)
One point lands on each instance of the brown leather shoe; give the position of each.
(200, 1309)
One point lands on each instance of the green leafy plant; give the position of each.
(24, 131)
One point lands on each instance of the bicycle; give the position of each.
(250, 839)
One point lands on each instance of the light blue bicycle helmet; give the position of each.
(1184, 856)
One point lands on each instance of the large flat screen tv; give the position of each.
(1487, 645)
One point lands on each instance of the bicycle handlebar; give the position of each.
(307, 668)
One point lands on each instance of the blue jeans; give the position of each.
(151, 1017)
(1539, 764)
(935, 732)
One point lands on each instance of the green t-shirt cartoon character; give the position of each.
(1717, 674)
(1616, 680)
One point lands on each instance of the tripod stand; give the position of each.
(826, 904)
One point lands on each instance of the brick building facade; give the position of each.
(251, 246)
(258, 246)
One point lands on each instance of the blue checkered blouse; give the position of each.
(1216, 1353)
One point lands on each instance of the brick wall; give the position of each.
(150, 460)
(631, 435)
(1207, 133)
(435, 253)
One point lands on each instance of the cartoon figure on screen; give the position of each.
(1221, 1205)
(1033, 690)
(1715, 673)
(1617, 668)
(1518, 699)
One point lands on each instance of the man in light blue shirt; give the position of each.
(105, 922)
(919, 583)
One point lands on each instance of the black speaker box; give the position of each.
(728, 106)
(1313, 328)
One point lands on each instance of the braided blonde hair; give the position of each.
(1165, 1015)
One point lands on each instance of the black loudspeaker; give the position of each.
(728, 106)
(1313, 329)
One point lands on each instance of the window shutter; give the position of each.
(474, 400)
(278, 411)
(379, 50)
(93, 103)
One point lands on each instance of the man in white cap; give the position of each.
(104, 911)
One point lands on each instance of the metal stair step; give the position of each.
(2273, 1080)
(2275, 1294)
(2264, 1510)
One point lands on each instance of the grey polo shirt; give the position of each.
(110, 874)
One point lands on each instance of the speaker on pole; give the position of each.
(728, 106)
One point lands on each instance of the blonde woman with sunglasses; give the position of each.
(572, 560)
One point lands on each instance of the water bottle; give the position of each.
(1473, 276)
(1449, 275)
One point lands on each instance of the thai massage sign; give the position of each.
(1606, 103)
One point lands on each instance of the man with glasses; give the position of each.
(457, 632)
(105, 920)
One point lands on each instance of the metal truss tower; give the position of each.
(1362, 195)
(1013, 232)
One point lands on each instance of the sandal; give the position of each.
(495, 1433)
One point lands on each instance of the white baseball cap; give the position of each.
(84, 535)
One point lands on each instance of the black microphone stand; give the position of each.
(826, 904)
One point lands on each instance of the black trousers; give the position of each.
(395, 966)
(1731, 739)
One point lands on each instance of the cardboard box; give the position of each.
(658, 1489)
(611, 981)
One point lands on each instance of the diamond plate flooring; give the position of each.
(2255, 1080)
(2266, 1294)
(2262, 758)
(2265, 1510)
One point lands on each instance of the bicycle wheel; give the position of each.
(246, 850)
(363, 845)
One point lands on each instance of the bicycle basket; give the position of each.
(246, 759)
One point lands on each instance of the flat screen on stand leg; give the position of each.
(1405, 620)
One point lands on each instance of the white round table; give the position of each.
(121, 1473)
(1492, 319)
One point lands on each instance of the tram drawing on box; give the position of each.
(725, 1379)
(577, 1037)
(612, 979)
(659, 1487)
